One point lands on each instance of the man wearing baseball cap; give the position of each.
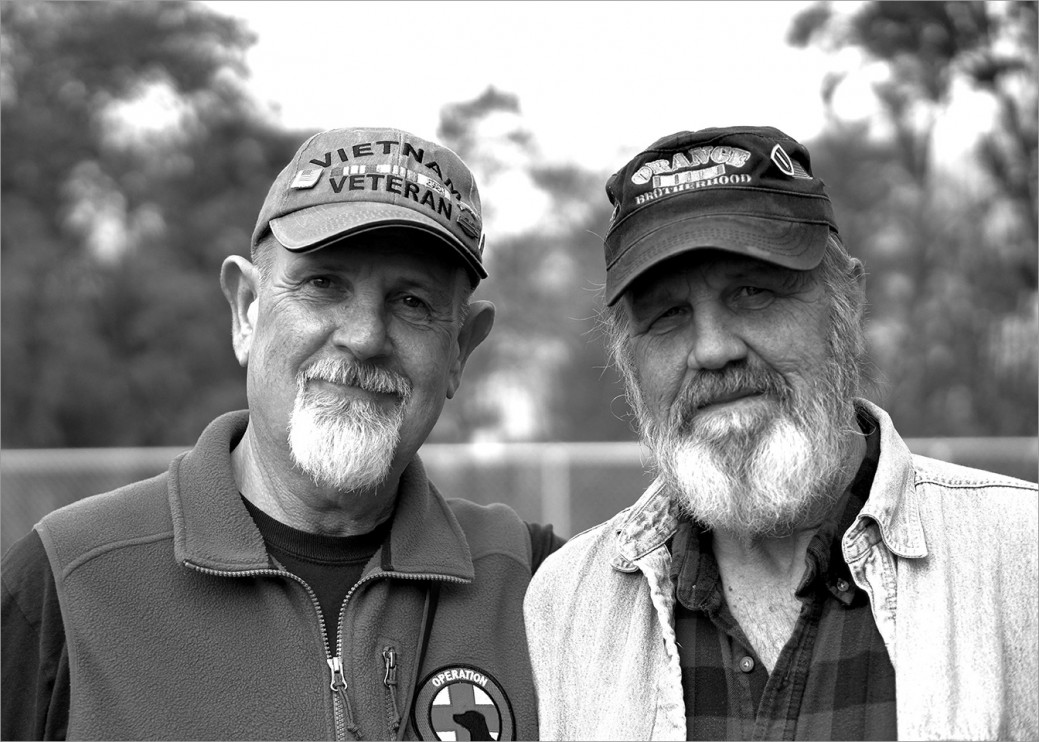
(296, 575)
(793, 572)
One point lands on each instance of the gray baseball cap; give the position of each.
(342, 182)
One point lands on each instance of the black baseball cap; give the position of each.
(743, 189)
(343, 182)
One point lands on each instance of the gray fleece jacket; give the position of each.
(179, 626)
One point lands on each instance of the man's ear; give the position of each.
(858, 272)
(475, 329)
(239, 280)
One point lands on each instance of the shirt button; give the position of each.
(747, 664)
(842, 585)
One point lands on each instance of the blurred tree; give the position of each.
(132, 163)
(115, 224)
(544, 374)
(948, 232)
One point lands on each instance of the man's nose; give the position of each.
(716, 342)
(361, 328)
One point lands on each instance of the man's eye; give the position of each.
(668, 316)
(320, 282)
(413, 302)
(753, 296)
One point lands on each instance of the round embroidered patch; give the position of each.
(462, 702)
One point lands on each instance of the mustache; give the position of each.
(361, 375)
(711, 385)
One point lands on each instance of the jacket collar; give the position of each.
(426, 539)
(212, 528)
(644, 527)
(892, 503)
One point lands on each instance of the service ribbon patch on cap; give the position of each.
(788, 165)
(462, 702)
(306, 178)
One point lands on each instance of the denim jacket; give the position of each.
(946, 554)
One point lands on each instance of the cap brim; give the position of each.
(319, 226)
(795, 245)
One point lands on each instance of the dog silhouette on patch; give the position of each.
(475, 724)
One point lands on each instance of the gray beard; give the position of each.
(346, 444)
(762, 469)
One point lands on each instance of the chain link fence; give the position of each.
(570, 485)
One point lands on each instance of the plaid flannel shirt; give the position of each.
(833, 678)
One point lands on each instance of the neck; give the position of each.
(291, 497)
(781, 557)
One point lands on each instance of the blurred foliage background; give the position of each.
(115, 333)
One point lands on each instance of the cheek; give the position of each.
(280, 346)
(425, 357)
(660, 369)
(429, 377)
(797, 350)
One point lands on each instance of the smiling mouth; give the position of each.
(351, 390)
(734, 397)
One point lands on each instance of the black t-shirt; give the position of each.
(330, 565)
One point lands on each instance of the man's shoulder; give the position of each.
(975, 491)
(958, 477)
(483, 514)
(491, 528)
(573, 562)
(592, 542)
(988, 509)
(582, 583)
(136, 511)
(129, 499)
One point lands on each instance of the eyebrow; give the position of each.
(661, 290)
(648, 299)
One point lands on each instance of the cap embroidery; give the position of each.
(690, 180)
(376, 172)
(747, 190)
(787, 165)
(371, 182)
(468, 222)
(697, 156)
(306, 178)
(678, 174)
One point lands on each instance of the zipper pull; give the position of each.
(389, 656)
(338, 685)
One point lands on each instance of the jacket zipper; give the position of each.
(344, 717)
(389, 656)
(338, 686)
(395, 718)
(342, 710)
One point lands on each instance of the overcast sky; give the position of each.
(596, 81)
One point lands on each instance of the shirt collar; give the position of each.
(644, 527)
(694, 572)
(893, 503)
(824, 559)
